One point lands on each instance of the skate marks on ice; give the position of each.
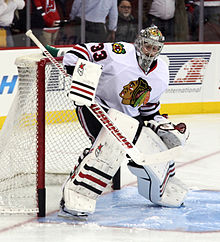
(127, 209)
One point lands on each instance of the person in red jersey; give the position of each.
(51, 20)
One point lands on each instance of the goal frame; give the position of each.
(41, 189)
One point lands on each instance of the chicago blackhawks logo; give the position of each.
(136, 93)
(118, 48)
(155, 32)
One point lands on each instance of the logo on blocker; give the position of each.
(81, 69)
(98, 150)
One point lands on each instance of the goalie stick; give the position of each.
(130, 149)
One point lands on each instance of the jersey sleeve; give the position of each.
(3, 6)
(48, 11)
(71, 57)
(149, 110)
(95, 52)
(20, 4)
(75, 9)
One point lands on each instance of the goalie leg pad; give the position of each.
(152, 181)
(174, 194)
(156, 182)
(97, 169)
(169, 191)
(93, 175)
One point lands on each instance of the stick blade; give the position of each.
(163, 156)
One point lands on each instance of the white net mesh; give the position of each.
(64, 138)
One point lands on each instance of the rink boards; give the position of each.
(193, 69)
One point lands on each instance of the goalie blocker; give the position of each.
(84, 82)
(88, 181)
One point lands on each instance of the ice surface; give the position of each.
(125, 216)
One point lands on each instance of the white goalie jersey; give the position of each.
(123, 85)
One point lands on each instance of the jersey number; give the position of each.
(99, 53)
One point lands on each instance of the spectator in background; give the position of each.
(66, 34)
(211, 19)
(96, 12)
(161, 14)
(7, 11)
(47, 12)
(127, 27)
(64, 8)
(181, 21)
(169, 15)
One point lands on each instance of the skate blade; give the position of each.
(70, 216)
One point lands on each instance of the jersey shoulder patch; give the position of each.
(118, 48)
(122, 48)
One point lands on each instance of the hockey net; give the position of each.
(41, 126)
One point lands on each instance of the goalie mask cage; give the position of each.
(41, 138)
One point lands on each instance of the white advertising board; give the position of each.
(9, 76)
(194, 74)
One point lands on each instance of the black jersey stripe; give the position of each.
(83, 46)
